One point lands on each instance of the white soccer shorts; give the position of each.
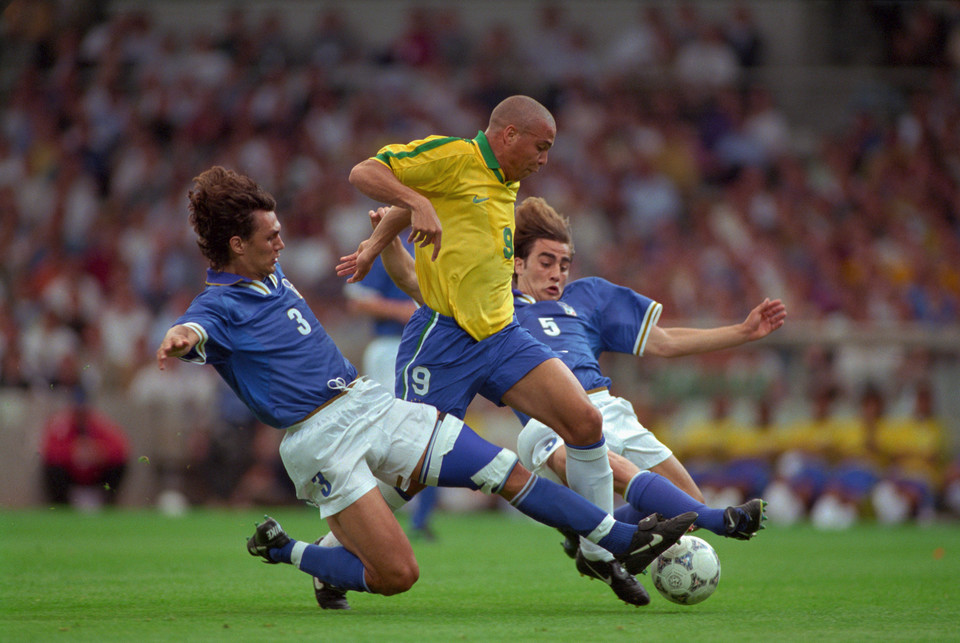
(336, 456)
(623, 432)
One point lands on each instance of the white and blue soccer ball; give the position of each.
(687, 573)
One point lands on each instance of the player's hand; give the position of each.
(425, 228)
(376, 216)
(174, 344)
(765, 318)
(357, 264)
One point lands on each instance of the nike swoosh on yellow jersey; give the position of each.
(477, 199)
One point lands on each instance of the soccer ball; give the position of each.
(687, 573)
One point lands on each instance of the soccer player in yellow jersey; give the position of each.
(458, 196)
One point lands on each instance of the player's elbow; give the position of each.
(412, 289)
(663, 344)
(361, 173)
(356, 175)
(664, 350)
(654, 349)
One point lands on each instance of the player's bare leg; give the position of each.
(550, 393)
(368, 529)
(373, 554)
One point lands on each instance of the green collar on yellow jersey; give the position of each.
(487, 154)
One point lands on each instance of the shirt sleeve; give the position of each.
(621, 317)
(417, 168)
(205, 320)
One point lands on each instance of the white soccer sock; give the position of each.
(297, 554)
(590, 475)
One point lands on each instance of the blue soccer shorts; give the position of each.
(441, 364)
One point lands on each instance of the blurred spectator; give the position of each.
(331, 41)
(46, 344)
(749, 451)
(651, 198)
(951, 488)
(234, 461)
(743, 34)
(643, 45)
(701, 446)
(264, 481)
(911, 447)
(84, 455)
(856, 465)
(124, 328)
(707, 61)
(802, 467)
(177, 408)
(417, 45)
(13, 370)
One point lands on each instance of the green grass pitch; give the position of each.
(126, 575)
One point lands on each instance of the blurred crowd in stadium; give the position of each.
(683, 178)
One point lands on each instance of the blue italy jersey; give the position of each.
(591, 317)
(267, 345)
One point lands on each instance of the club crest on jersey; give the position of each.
(286, 282)
(567, 309)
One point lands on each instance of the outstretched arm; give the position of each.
(177, 342)
(676, 342)
(375, 179)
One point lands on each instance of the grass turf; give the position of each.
(124, 575)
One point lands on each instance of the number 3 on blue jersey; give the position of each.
(303, 326)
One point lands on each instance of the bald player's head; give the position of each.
(520, 133)
(521, 111)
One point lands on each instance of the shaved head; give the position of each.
(520, 111)
(520, 132)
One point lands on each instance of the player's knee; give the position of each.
(399, 578)
(584, 426)
(538, 447)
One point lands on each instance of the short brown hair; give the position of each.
(536, 219)
(222, 204)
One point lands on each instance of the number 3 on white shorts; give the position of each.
(420, 378)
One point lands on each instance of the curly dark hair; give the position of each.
(222, 204)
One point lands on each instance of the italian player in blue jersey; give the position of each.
(458, 195)
(586, 317)
(343, 433)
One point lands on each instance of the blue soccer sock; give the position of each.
(649, 492)
(334, 565)
(556, 506)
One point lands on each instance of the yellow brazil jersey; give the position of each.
(471, 278)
